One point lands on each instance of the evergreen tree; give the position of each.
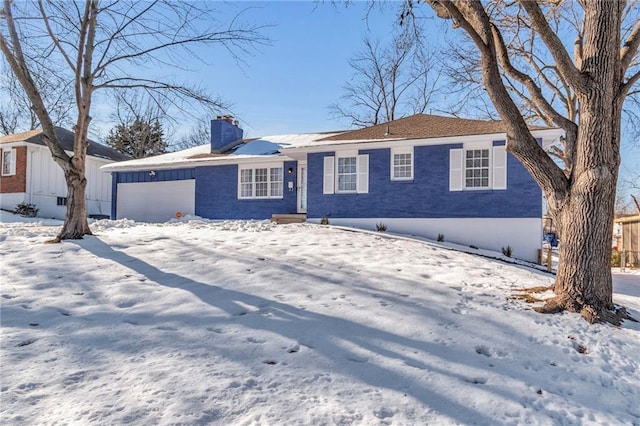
(139, 139)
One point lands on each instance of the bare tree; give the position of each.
(15, 111)
(599, 76)
(199, 134)
(388, 82)
(107, 45)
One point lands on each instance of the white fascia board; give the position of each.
(549, 137)
(395, 143)
(545, 134)
(9, 145)
(196, 162)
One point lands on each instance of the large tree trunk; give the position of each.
(583, 281)
(75, 224)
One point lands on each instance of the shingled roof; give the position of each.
(65, 137)
(424, 126)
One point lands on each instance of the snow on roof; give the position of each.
(264, 147)
(257, 147)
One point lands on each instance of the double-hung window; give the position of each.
(260, 182)
(346, 173)
(8, 162)
(478, 166)
(402, 164)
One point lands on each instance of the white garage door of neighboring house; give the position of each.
(156, 201)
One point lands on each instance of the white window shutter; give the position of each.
(499, 167)
(363, 174)
(329, 170)
(456, 169)
(14, 160)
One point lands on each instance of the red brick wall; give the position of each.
(17, 182)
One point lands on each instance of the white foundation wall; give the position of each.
(11, 200)
(523, 235)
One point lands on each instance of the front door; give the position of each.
(302, 187)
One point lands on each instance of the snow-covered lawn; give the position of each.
(200, 322)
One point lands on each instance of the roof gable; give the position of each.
(66, 140)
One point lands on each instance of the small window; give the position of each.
(347, 174)
(61, 201)
(8, 162)
(477, 168)
(261, 182)
(401, 164)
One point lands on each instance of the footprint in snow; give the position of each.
(357, 358)
(383, 413)
(476, 380)
(26, 342)
(294, 349)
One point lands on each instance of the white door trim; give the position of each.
(303, 174)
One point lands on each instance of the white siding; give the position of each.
(45, 183)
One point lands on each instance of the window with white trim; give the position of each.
(8, 162)
(476, 168)
(402, 164)
(346, 174)
(260, 182)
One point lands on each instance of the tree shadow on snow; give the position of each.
(343, 342)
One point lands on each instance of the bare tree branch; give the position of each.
(630, 47)
(388, 82)
(564, 63)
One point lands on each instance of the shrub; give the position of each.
(616, 256)
(381, 227)
(26, 210)
(324, 220)
(440, 238)
(507, 251)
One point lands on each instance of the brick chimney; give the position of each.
(224, 133)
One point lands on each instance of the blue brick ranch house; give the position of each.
(422, 175)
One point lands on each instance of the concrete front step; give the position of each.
(288, 218)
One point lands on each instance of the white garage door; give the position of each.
(156, 201)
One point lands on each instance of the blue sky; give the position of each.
(287, 86)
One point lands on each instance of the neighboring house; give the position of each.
(29, 174)
(629, 238)
(423, 175)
